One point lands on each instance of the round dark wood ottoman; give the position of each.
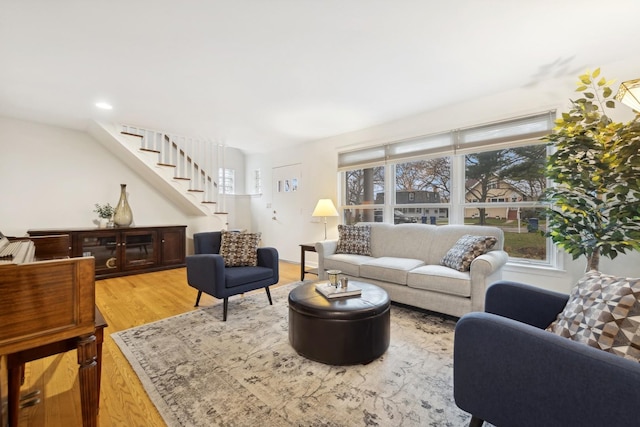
(343, 331)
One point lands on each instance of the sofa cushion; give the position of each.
(439, 278)
(354, 239)
(466, 249)
(389, 269)
(402, 240)
(239, 249)
(603, 311)
(347, 263)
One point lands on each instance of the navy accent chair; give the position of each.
(207, 273)
(509, 371)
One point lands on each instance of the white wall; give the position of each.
(318, 179)
(319, 163)
(52, 177)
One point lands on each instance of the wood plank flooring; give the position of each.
(125, 302)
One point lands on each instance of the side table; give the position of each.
(306, 247)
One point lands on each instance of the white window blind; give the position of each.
(511, 130)
(522, 128)
(416, 147)
(371, 156)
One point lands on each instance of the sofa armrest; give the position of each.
(205, 272)
(483, 271)
(509, 373)
(525, 303)
(324, 248)
(487, 264)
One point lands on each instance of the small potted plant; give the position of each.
(105, 212)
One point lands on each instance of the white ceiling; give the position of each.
(264, 74)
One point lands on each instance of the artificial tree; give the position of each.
(595, 202)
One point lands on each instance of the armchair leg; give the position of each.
(198, 298)
(266, 288)
(475, 422)
(225, 305)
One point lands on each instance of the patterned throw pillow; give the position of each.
(239, 249)
(466, 249)
(603, 311)
(354, 239)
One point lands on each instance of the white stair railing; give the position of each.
(194, 160)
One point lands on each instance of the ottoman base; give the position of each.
(344, 337)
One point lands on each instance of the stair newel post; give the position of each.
(215, 177)
(203, 155)
(222, 178)
(173, 143)
(211, 167)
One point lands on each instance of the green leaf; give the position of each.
(596, 72)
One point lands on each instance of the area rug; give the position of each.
(201, 371)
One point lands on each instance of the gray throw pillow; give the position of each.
(466, 249)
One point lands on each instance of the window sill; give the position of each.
(529, 268)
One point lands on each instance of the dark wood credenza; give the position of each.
(125, 250)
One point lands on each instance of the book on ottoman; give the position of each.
(331, 292)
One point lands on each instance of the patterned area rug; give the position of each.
(200, 371)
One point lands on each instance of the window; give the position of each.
(487, 175)
(505, 187)
(226, 178)
(364, 188)
(425, 185)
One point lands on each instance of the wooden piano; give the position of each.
(47, 302)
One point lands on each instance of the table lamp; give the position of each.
(629, 94)
(325, 208)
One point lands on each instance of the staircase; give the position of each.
(184, 169)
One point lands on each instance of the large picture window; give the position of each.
(488, 175)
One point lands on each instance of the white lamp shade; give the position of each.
(325, 208)
(629, 94)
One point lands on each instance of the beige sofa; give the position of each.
(405, 261)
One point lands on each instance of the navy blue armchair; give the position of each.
(207, 273)
(509, 371)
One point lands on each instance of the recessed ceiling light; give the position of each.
(104, 105)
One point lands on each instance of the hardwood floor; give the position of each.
(125, 302)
